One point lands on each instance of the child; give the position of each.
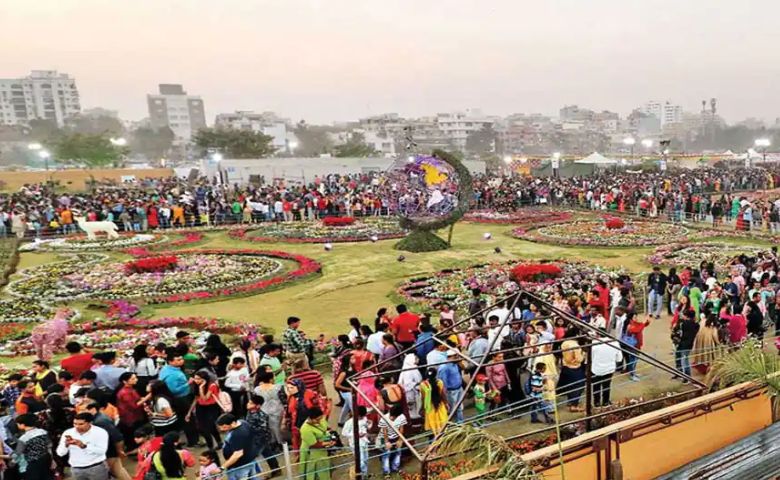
(11, 392)
(209, 465)
(560, 328)
(537, 384)
(236, 383)
(480, 391)
(322, 344)
(363, 442)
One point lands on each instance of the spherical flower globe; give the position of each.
(487, 236)
(374, 238)
(328, 247)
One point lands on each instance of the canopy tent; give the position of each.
(596, 158)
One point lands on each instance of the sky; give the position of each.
(339, 60)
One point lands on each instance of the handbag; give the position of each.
(629, 340)
(224, 401)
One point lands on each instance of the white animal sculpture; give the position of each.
(109, 228)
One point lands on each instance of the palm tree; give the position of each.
(750, 363)
(485, 449)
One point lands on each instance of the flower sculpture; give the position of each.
(49, 337)
(614, 223)
(151, 265)
(535, 272)
(338, 221)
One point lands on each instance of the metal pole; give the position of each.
(588, 388)
(356, 435)
(287, 461)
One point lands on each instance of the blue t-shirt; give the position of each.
(449, 374)
(240, 438)
(175, 380)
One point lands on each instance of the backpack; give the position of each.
(225, 402)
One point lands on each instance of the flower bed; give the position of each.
(614, 223)
(83, 244)
(198, 274)
(691, 255)
(535, 272)
(189, 239)
(374, 228)
(524, 216)
(496, 280)
(597, 233)
(338, 221)
(152, 265)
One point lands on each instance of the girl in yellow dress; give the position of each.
(434, 402)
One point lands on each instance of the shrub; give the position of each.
(151, 265)
(338, 221)
(535, 272)
(421, 241)
(615, 223)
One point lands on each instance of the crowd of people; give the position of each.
(703, 194)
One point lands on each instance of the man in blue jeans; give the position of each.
(688, 330)
(239, 448)
(450, 375)
(656, 288)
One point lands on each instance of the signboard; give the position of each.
(662, 165)
(556, 163)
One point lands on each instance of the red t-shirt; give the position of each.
(77, 364)
(214, 389)
(127, 404)
(404, 326)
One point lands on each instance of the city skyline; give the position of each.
(345, 59)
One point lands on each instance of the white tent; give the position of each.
(596, 158)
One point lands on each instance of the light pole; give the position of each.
(629, 142)
(647, 143)
(763, 143)
(45, 156)
(291, 146)
(217, 157)
(556, 163)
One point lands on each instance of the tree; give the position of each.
(42, 130)
(313, 140)
(151, 143)
(95, 125)
(749, 363)
(356, 146)
(482, 142)
(234, 143)
(92, 150)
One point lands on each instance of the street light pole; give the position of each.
(763, 143)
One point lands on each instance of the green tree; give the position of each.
(356, 146)
(234, 143)
(42, 130)
(749, 363)
(95, 125)
(482, 142)
(91, 150)
(313, 140)
(151, 143)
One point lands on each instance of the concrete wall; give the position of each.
(75, 180)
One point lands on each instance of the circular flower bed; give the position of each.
(338, 221)
(500, 279)
(197, 274)
(83, 244)
(598, 233)
(525, 216)
(375, 228)
(691, 255)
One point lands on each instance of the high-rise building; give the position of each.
(44, 94)
(665, 112)
(172, 107)
(267, 123)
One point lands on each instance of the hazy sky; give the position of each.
(326, 60)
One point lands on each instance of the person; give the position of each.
(706, 346)
(374, 341)
(300, 400)
(480, 391)
(214, 346)
(656, 284)
(363, 440)
(131, 408)
(259, 423)
(390, 356)
(315, 440)
(115, 451)
(174, 378)
(28, 401)
(405, 326)
(271, 358)
(78, 361)
(274, 401)
(391, 440)
(572, 379)
(170, 462)
(537, 390)
(344, 389)
(34, 447)
(410, 379)
(11, 392)
(354, 322)
(107, 373)
(236, 382)
(424, 343)
(310, 377)
(43, 376)
(434, 401)
(239, 449)
(449, 373)
(86, 446)
(159, 408)
(206, 408)
(498, 377)
(605, 357)
(688, 328)
(634, 336)
(755, 317)
(295, 343)
(209, 465)
(144, 367)
(148, 444)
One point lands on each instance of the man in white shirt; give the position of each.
(86, 446)
(605, 356)
(496, 330)
(500, 311)
(374, 342)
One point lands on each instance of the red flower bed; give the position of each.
(614, 223)
(151, 265)
(338, 221)
(535, 272)
(306, 267)
(188, 238)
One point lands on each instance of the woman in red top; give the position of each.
(206, 408)
(151, 217)
(148, 446)
(130, 406)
